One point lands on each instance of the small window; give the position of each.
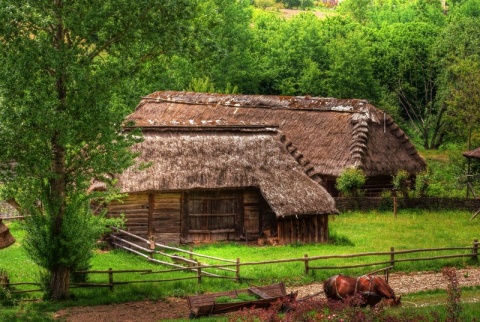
(212, 210)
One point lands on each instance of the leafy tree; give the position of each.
(463, 96)
(458, 53)
(217, 46)
(61, 63)
(405, 65)
(350, 71)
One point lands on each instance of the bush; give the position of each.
(421, 183)
(401, 183)
(350, 182)
(5, 295)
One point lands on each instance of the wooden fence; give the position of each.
(310, 263)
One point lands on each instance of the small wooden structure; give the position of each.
(471, 155)
(217, 183)
(6, 238)
(205, 304)
(325, 135)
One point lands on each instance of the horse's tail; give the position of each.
(329, 287)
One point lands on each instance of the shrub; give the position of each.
(5, 295)
(350, 182)
(401, 183)
(421, 184)
(454, 293)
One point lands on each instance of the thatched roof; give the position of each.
(6, 238)
(325, 134)
(474, 154)
(185, 158)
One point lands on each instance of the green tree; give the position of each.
(458, 51)
(61, 64)
(405, 65)
(349, 71)
(217, 46)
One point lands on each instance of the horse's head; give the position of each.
(384, 290)
(396, 301)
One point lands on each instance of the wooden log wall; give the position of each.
(165, 223)
(251, 210)
(135, 208)
(150, 213)
(307, 229)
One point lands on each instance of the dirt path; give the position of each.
(174, 308)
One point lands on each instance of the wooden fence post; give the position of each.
(151, 239)
(110, 279)
(199, 273)
(475, 250)
(237, 270)
(306, 264)
(392, 256)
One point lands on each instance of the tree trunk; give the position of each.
(59, 283)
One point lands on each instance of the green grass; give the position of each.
(352, 232)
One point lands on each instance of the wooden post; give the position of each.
(392, 256)
(151, 239)
(110, 279)
(237, 271)
(395, 206)
(306, 263)
(475, 250)
(199, 273)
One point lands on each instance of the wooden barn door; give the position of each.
(213, 215)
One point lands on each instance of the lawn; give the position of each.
(351, 233)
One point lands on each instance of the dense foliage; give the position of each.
(61, 69)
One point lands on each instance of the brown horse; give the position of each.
(370, 288)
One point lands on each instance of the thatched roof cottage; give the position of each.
(324, 135)
(210, 183)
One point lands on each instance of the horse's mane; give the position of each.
(329, 286)
(384, 287)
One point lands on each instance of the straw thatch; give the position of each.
(6, 238)
(473, 154)
(185, 158)
(326, 135)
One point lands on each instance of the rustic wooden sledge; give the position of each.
(202, 305)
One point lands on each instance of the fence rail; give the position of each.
(199, 269)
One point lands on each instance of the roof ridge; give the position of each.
(307, 102)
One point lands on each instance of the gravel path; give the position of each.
(174, 308)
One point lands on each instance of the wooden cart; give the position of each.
(202, 305)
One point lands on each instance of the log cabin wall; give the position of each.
(308, 229)
(135, 209)
(209, 216)
(213, 215)
(252, 210)
(165, 220)
(156, 214)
